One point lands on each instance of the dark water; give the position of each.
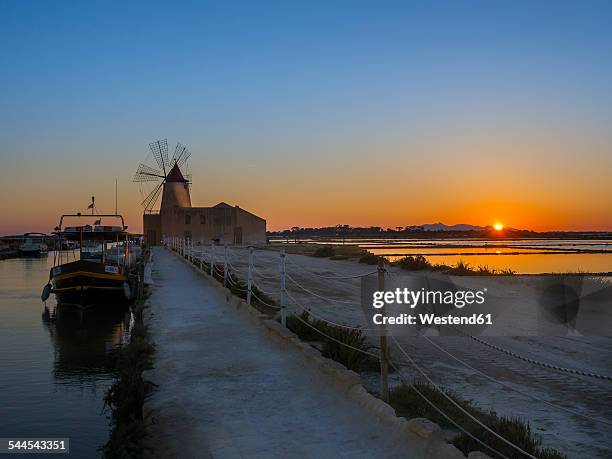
(55, 364)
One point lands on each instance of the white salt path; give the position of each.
(227, 389)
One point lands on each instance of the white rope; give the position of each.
(541, 364)
(356, 276)
(316, 294)
(336, 340)
(463, 410)
(234, 268)
(255, 270)
(235, 284)
(261, 290)
(321, 318)
(263, 302)
(413, 387)
(535, 397)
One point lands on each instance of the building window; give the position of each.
(202, 219)
(187, 219)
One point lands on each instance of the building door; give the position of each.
(152, 237)
(237, 234)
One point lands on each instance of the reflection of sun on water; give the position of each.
(498, 226)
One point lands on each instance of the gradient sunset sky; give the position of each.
(313, 114)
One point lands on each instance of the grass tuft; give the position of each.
(408, 403)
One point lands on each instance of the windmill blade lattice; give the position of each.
(159, 148)
(151, 198)
(146, 173)
(181, 154)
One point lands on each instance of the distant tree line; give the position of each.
(347, 232)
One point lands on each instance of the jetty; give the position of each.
(231, 385)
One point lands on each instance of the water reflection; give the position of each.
(84, 339)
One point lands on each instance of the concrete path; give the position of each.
(226, 389)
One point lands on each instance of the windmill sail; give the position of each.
(159, 148)
(151, 199)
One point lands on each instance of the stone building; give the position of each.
(222, 222)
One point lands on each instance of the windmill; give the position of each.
(158, 171)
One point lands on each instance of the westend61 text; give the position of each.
(432, 319)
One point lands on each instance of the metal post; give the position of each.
(384, 362)
(201, 256)
(212, 257)
(225, 265)
(250, 276)
(190, 245)
(283, 292)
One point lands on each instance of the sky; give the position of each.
(313, 113)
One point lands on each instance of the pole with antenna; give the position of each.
(115, 195)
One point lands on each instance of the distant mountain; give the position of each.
(442, 227)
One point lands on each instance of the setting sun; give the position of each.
(498, 226)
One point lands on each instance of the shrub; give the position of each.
(416, 263)
(369, 259)
(324, 252)
(298, 327)
(352, 359)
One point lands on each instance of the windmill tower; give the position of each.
(164, 177)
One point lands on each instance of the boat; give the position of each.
(33, 248)
(99, 275)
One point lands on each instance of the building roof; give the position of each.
(175, 175)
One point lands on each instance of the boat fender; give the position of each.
(46, 292)
(126, 290)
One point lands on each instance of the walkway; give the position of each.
(226, 389)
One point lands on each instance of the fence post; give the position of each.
(250, 276)
(384, 362)
(212, 258)
(283, 300)
(225, 265)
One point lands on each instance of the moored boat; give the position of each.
(98, 276)
(33, 248)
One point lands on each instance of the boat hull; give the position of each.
(86, 283)
(32, 253)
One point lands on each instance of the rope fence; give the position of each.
(230, 266)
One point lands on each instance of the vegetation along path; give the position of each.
(227, 389)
